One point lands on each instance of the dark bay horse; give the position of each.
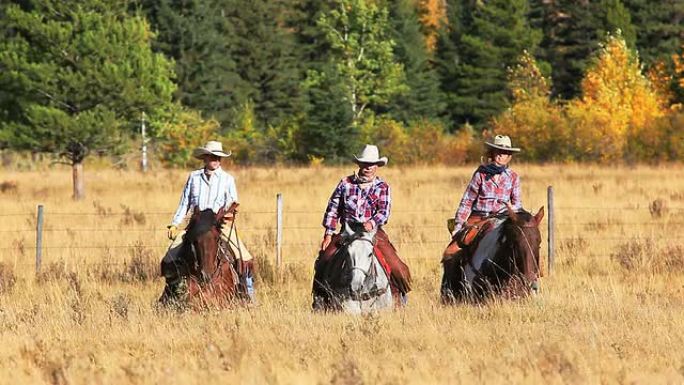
(206, 264)
(505, 262)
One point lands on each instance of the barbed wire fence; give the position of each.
(278, 233)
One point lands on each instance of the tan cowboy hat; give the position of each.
(502, 142)
(370, 154)
(211, 148)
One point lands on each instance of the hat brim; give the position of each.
(200, 152)
(380, 162)
(502, 148)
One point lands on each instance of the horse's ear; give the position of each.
(221, 213)
(511, 212)
(540, 214)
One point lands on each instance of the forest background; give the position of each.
(301, 81)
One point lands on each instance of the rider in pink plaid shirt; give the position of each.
(485, 196)
(493, 185)
(359, 204)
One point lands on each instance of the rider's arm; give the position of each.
(331, 212)
(384, 204)
(231, 191)
(183, 204)
(466, 205)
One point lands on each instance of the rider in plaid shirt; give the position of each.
(361, 201)
(486, 195)
(359, 205)
(493, 186)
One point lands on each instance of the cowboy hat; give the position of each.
(370, 154)
(502, 142)
(211, 148)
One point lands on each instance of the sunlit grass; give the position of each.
(612, 311)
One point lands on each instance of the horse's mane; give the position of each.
(202, 222)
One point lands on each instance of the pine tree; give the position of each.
(76, 76)
(572, 31)
(265, 61)
(659, 26)
(424, 98)
(194, 33)
(489, 38)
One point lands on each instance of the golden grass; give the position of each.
(612, 311)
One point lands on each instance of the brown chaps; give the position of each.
(399, 274)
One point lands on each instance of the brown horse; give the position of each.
(206, 264)
(505, 262)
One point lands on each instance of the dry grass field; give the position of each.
(611, 311)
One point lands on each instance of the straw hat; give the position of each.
(370, 154)
(211, 148)
(502, 142)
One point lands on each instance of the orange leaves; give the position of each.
(433, 16)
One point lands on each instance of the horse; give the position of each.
(206, 264)
(355, 281)
(505, 262)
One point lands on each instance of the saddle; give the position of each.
(468, 238)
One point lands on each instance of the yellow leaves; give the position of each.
(526, 81)
(617, 105)
(182, 132)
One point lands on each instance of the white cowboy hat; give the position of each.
(370, 154)
(502, 142)
(211, 148)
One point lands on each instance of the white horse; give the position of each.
(369, 287)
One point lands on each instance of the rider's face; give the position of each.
(502, 158)
(212, 162)
(368, 170)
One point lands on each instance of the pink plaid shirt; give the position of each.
(485, 197)
(359, 205)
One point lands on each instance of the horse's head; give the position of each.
(358, 245)
(202, 237)
(522, 235)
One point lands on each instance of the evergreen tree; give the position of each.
(75, 78)
(571, 33)
(195, 34)
(492, 35)
(659, 26)
(265, 61)
(447, 52)
(424, 98)
(616, 17)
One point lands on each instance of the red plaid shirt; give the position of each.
(358, 205)
(484, 196)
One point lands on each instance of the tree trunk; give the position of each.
(79, 187)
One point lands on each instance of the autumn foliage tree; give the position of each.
(617, 107)
(534, 120)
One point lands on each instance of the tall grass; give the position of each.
(612, 311)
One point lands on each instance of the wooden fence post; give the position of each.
(39, 238)
(550, 221)
(279, 231)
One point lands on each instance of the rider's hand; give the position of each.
(326, 241)
(172, 232)
(368, 226)
(457, 228)
(229, 216)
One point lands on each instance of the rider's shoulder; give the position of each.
(512, 173)
(197, 172)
